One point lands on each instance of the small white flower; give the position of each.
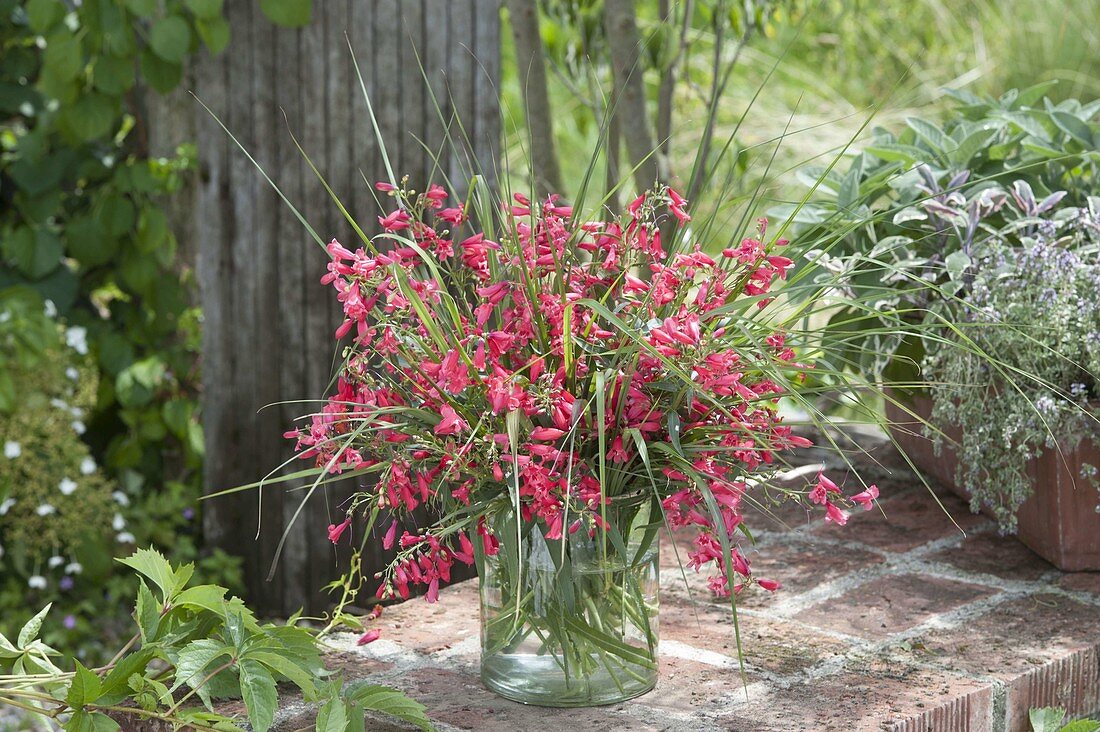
(72, 373)
(125, 538)
(121, 498)
(78, 427)
(87, 466)
(118, 523)
(67, 486)
(12, 450)
(6, 505)
(76, 338)
(5, 316)
(59, 404)
(55, 561)
(50, 309)
(45, 510)
(73, 568)
(37, 582)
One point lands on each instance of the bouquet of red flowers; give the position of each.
(555, 391)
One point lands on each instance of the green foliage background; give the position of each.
(83, 226)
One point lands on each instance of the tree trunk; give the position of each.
(523, 16)
(629, 97)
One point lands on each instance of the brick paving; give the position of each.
(906, 620)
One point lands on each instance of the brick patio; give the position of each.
(899, 622)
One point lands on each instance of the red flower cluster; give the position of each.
(560, 365)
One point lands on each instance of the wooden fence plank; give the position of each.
(268, 321)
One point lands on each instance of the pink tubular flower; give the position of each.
(834, 514)
(867, 497)
(395, 221)
(451, 424)
(335, 531)
(391, 534)
(369, 637)
(446, 324)
(453, 216)
(546, 434)
(676, 205)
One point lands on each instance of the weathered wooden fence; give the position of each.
(268, 322)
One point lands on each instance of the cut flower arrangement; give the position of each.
(556, 391)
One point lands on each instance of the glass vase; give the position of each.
(571, 622)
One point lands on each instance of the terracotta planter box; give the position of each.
(1059, 522)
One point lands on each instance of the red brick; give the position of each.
(776, 645)
(891, 605)
(429, 627)
(1015, 637)
(872, 696)
(689, 687)
(1072, 683)
(1001, 556)
(1081, 582)
(1044, 648)
(461, 701)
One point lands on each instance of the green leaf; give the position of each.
(153, 565)
(137, 383)
(214, 33)
(91, 117)
(30, 630)
(88, 242)
(971, 146)
(85, 687)
(674, 433)
(117, 214)
(63, 58)
(170, 38)
(152, 229)
(288, 13)
(194, 664)
(34, 252)
(332, 717)
(957, 262)
(234, 630)
(144, 8)
(113, 74)
(204, 597)
(284, 666)
(42, 14)
(1073, 126)
(1081, 725)
(259, 695)
(205, 9)
(147, 612)
(1046, 719)
(930, 133)
(117, 681)
(163, 76)
(389, 701)
(82, 721)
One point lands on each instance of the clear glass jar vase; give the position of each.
(572, 622)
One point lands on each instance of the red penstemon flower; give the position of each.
(476, 382)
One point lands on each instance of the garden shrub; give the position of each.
(1019, 372)
(62, 517)
(82, 224)
(870, 220)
